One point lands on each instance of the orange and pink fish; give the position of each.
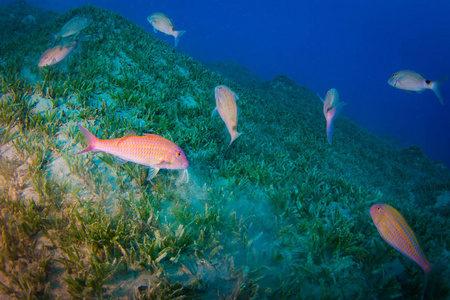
(150, 150)
(56, 54)
(162, 23)
(228, 111)
(331, 109)
(395, 231)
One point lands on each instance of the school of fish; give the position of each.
(57, 53)
(156, 152)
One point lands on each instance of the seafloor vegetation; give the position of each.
(279, 214)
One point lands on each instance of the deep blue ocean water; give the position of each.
(353, 46)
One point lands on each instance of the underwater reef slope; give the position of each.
(279, 214)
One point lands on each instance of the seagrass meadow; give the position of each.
(280, 214)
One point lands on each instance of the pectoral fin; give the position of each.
(184, 176)
(152, 173)
(120, 161)
(214, 112)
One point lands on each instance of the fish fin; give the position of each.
(320, 97)
(179, 34)
(184, 176)
(81, 38)
(329, 130)
(120, 161)
(130, 133)
(236, 96)
(152, 171)
(154, 30)
(331, 115)
(53, 37)
(436, 90)
(162, 162)
(214, 112)
(338, 109)
(90, 138)
(238, 134)
(151, 135)
(433, 278)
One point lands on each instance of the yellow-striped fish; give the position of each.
(228, 111)
(162, 23)
(395, 231)
(150, 150)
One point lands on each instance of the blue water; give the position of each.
(353, 46)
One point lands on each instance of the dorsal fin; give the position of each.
(151, 135)
(130, 133)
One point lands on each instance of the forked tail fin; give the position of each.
(331, 115)
(436, 90)
(178, 35)
(233, 138)
(90, 138)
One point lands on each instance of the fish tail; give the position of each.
(437, 272)
(425, 286)
(53, 37)
(234, 137)
(178, 34)
(91, 140)
(436, 90)
(331, 115)
(329, 130)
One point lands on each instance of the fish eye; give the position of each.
(178, 154)
(379, 208)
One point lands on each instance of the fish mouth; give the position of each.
(392, 82)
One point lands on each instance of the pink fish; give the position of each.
(395, 231)
(228, 111)
(162, 23)
(331, 109)
(415, 82)
(150, 150)
(56, 54)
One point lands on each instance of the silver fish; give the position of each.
(73, 26)
(415, 82)
(162, 23)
